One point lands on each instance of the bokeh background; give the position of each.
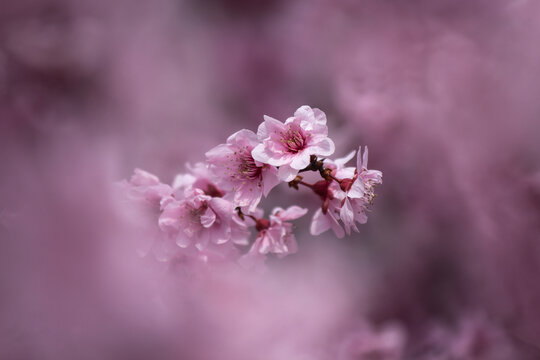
(445, 93)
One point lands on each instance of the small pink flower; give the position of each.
(146, 189)
(290, 145)
(356, 191)
(144, 186)
(275, 235)
(237, 171)
(326, 217)
(200, 219)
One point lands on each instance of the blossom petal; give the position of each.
(270, 179)
(266, 153)
(320, 223)
(141, 177)
(300, 161)
(304, 115)
(293, 212)
(336, 227)
(239, 231)
(361, 159)
(183, 240)
(320, 116)
(267, 127)
(208, 218)
(304, 111)
(183, 181)
(324, 147)
(218, 152)
(346, 215)
(224, 209)
(169, 220)
(261, 154)
(365, 157)
(248, 195)
(263, 243)
(286, 173)
(243, 137)
(357, 189)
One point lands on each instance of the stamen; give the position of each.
(294, 140)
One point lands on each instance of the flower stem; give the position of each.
(318, 165)
(305, 184)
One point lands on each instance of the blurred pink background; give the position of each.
(445, 93)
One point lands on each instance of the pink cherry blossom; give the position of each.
(275, 235)
(327, 217)
(146, 187)
(237, 171)
(356, 191)
(200, 219)
(290, 145)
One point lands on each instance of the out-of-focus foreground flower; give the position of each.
(443, 92)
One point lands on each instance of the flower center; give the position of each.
(196, 213)
(247, 169)
(191, 218)
(294, 139)
(369, 191)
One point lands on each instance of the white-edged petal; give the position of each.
(320, 116)
(268, 127)
(224, 209)
(292, 213)
(208, 218)
(365, 157)
(300, 161)
(324, 147)
(357, 189)
(340, 162)
(260, 154)
(286, 173)
(346, 215)
(319, 224)
(270, 179)
(243, 137)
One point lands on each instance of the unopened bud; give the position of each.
(294, 183)
(321, 188)
(262, 224)
(213, 191)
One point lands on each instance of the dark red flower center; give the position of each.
(294, 139)
(247, 169)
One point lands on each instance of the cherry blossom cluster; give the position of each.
(211, 212)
